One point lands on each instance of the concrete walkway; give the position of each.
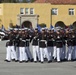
(16, 68)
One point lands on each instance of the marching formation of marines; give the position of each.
(47, 45)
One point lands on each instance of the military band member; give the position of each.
(27, 45)
(21, 47)
(43, 46)
(63, 51)
(35, 45)
(73, 45)
(12, 47)
(11, 54)
(8, 51)
(50, 39)
(16, 43)
(59, 45)
(69, 43)
(54, 46)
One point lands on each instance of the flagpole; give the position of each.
(51, 17)
(20, 21)
(37, 19)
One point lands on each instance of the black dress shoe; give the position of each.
(16, 60)
(35, 61)
(73, 60)
(65, 59)
(20, 61)
(69, 60)
(42, 62)
(49, 61)
(54, 60)
(13, 59)
(39, 61)
(59, 61)
(23, 61)
(7, 60)
(26, 61)
(31, 60)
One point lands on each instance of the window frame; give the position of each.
(71, 11)
(54, 11)
(32, 11)
(22, 11)
(27, 11)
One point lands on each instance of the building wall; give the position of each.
(63, 14)
(1, 14)
(11, 10)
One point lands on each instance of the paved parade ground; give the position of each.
(30, 68)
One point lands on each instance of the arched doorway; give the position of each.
(74, 25)
(27, 24)
(60, 23)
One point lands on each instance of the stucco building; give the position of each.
(49, 12)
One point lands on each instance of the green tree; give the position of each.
(17, 1)
(9, 1)
(27, 1)
(33, 0)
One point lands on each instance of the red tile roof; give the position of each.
(56, 1)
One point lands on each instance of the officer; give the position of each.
(23, 55)
(12, 46)
(59, 45)
(35, 45)
(54, 45)
(27, 45)
(73, 45)
(50, 39)
(16, 43)
(69, 43)
(21, 47)
(63, 51)
(8, 51)
(11, 54)
(43, 46)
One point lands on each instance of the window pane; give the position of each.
(26, 11)
(54, 11)
(21, 10)
(71, 11)
(31, 11)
